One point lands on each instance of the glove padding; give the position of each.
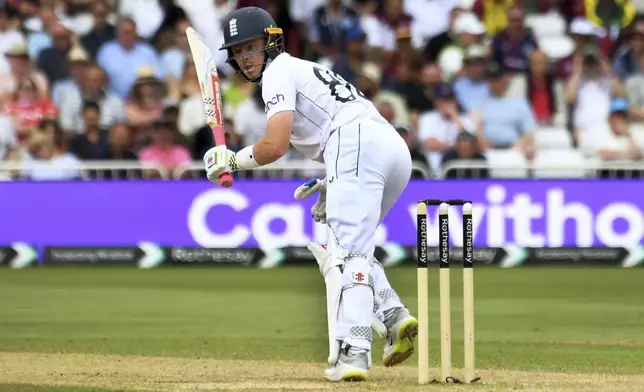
(219, 160)
(309, 188)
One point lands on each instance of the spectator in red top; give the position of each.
(513, 46)
(27, 109)
(540, 89)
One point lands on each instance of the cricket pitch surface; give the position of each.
(242, 329)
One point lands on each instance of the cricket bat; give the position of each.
(210, 95)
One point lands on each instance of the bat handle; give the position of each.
(226, 180)
(219, 134)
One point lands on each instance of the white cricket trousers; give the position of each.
(368, 165)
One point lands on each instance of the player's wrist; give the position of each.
(246, 158)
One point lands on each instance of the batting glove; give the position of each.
(308, 189)
(219, 160)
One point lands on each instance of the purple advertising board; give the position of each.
(264, 214)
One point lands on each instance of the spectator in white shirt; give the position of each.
(93, 87)
(250, 119)
(468, 30)
(381, 28)
(431, 18)
(590, 89)
(50, 159)
(439, 129)
(611, 140)
(8, 38)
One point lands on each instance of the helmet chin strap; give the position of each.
(258, 79)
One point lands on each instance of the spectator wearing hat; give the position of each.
(27, 108)
(403, 53)
(612, 140)
(146, 102)
(471, 85)
(123, 57)
(163, 151)
(92, 87)
(583, 35)
(9, 37)
(629, 58)
(21, 69)
(503, 121)
(329, 27)
(54, 61)
(92, 143)
(349, 65)
(466, 148)
(369, 82)
(436, 44)
(78, 63)
(438, 129)
(468, 30)
(102, 31)
(512, 46)
(590, 90)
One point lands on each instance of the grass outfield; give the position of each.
(247, 329)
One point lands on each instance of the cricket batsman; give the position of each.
(368, 165)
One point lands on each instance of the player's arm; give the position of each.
(276, 142)
(279, 93)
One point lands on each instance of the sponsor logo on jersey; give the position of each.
(273, 101)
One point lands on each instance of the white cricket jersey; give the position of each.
(322, 100)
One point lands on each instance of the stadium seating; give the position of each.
(506, 164)
(552, 138)
(559, 163)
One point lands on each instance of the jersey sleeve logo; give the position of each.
(273, 101)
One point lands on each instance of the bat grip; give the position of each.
(219, 134)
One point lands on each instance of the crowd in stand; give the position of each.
(101, 80)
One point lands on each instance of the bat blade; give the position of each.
(206, 70)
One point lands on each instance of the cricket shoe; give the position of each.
(402, 329)
(352, 365)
